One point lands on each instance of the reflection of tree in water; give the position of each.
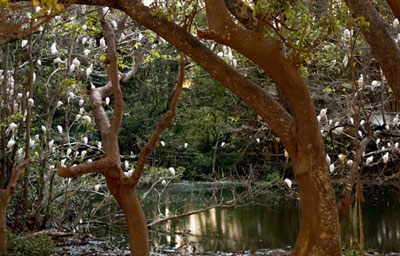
(381, 222)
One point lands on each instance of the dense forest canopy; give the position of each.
(125, 94)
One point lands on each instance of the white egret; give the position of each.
(84, 40)
(164, 183)
(11, 127)
(31, 101)
(59, 128)
(350, 162)
(234, 63)
(24, 43)
(89, 71)
(58, 60)
(107, 100)
(288, 183)
(323, 115)
(171, 170)
(43, 129)
(53, 48)
(103, 42)
(87, 119)
(222, 144)
(328, 159)
(85, 140)
(395, 23)
(72, 68)
(86, 52)
(76, 62)
(51, 143)
(331, 168)
(162, 143)
(11, 143)
(369, 160)
(386, 158)
(97, 187)
(69, 151)
(59, 103)
(126, 164)
(81, 110)
(77, 117)
(185, 145)
(83, 153)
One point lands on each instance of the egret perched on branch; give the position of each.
(43, 129)
(11, 143)
(58, 60)
(89, 71)
(53, 48)
(288, 183)
(85, 140)
(395, 23)
(51, 143)
(59, 128)
(386, 158)
(11, 127)
(369, 160)
(24, 43)
(172, 170)
(103, 42)
(87, 119)
(331, 168)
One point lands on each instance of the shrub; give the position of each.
(21, 245)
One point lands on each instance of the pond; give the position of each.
(269, 222)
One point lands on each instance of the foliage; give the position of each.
(28, 245)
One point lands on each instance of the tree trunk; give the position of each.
(134, 216)
(3, 221)
(319, 230)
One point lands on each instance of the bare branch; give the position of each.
(14, 177)
(145, 151)
(139, 61)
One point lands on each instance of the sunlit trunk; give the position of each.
(319, 229)
(3, 226)
(134, 216)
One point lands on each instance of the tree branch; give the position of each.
(145, 151)
(14, 177)
(395, 6)
(380, 40)
(257, 98)
(113, 75)
(98, 166)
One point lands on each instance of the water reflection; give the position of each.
(272, 224)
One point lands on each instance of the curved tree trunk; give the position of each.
(134, 216)
(319, 230)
